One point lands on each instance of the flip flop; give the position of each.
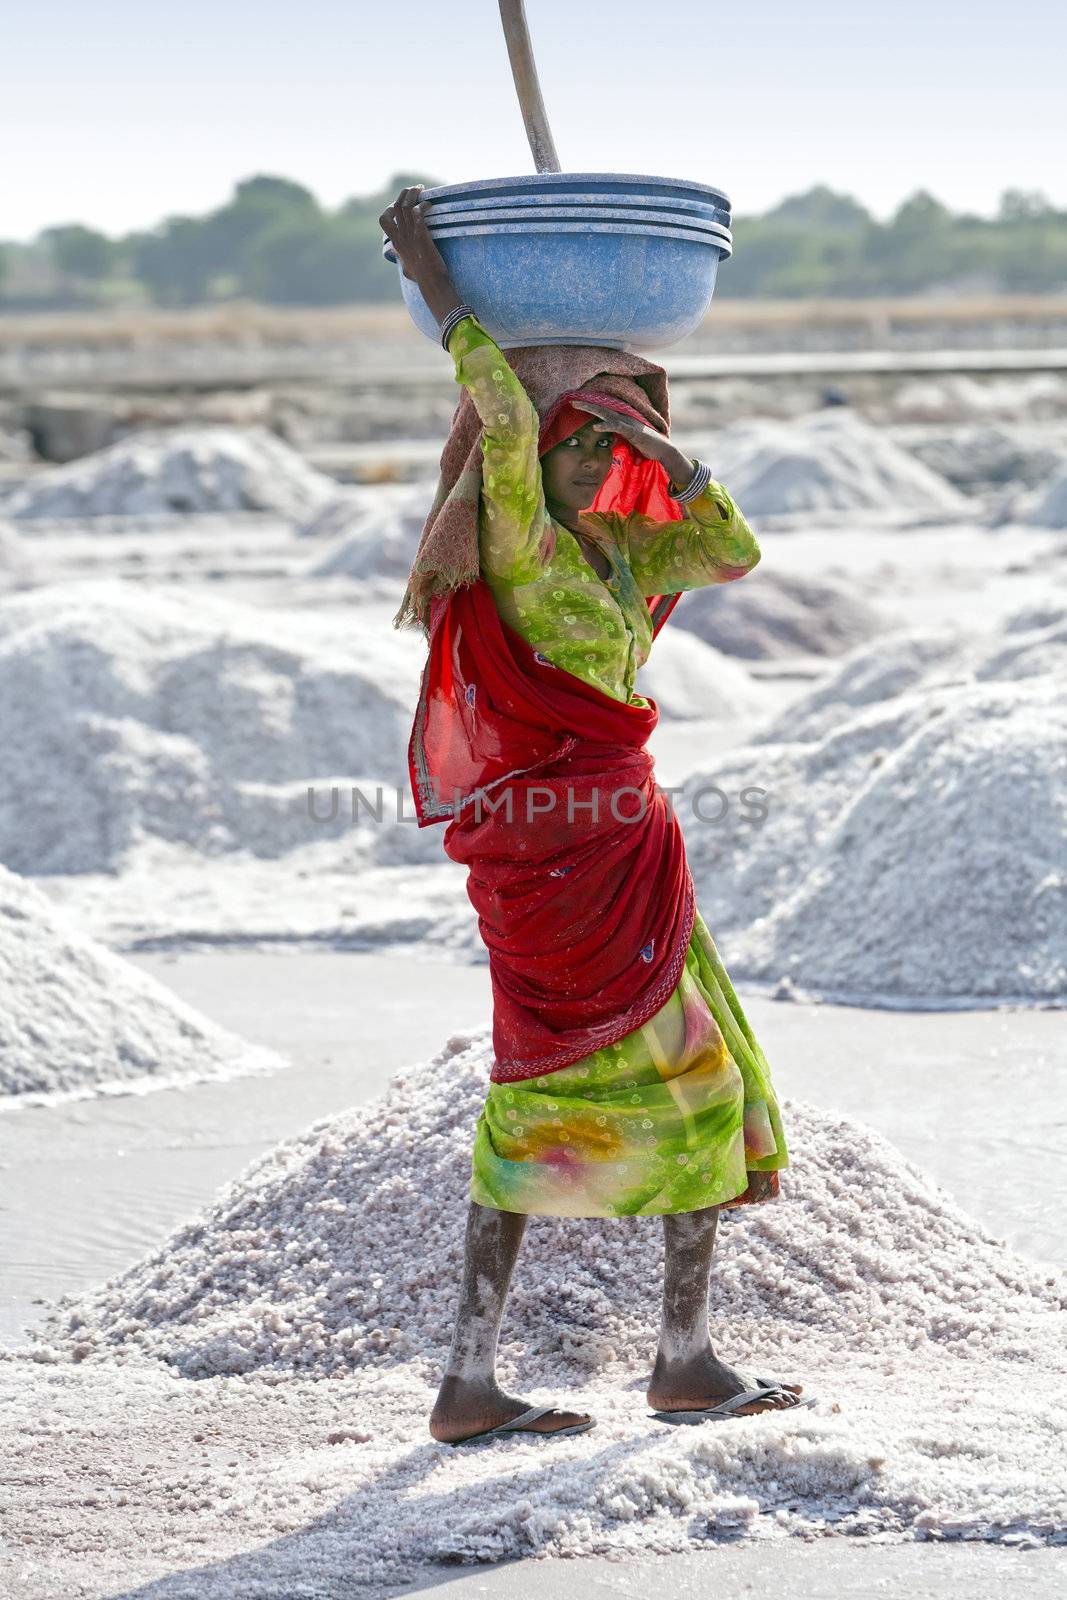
(518, 1425)
(769, 1388)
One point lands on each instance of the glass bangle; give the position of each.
(696, 485)
(455, 315)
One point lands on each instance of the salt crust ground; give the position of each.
(78, 1020)
(279, 1355)
(179, 469)
(919, 790)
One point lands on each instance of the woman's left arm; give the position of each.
(712, 543)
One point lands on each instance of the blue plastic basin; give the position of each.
(585, 200)
(631, 265)
(458, 222)
(614, 186)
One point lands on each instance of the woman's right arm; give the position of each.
(514, 522)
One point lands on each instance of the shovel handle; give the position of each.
(528, 89)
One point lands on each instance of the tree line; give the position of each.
(274, 243)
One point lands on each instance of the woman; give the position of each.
(627, 1080)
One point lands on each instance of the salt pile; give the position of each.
(688, 679)
(127, 716)
(15, 445)
(957, 397)
(16, 566)
(982, 457)
(780, 616)
(915, 844)
(373, 532)
(829, 462)
(1045, 506)
(77, 1020)
(337, 1256)
(185, 469)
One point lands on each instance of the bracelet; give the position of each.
(454, 316)
(696, 485)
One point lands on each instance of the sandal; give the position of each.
(519, 1425)
(769, 1388)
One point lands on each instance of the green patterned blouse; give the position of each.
(597, 628)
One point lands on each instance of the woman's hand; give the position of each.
(404, 223)
(645, 440)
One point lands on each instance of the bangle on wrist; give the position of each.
(454, 316)
(697, 483)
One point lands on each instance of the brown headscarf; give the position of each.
(447, 557)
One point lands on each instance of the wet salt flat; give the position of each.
(208, 993)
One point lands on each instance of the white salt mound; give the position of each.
(17, 569)
(778, 617)
(338, 1255)
(983, 457)
(15, 445)
(688, 679)
(127, 716)
(1045, 506)
(179, 469)
(829, 462)
(915, 844)
(371, 532)
(76, 1020)
(958, 397)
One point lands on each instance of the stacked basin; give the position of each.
(601, 258)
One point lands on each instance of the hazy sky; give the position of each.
(116, 113)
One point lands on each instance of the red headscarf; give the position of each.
(634, 483)
(584, 898)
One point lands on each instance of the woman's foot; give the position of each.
(464, 1409)
(705, 1381)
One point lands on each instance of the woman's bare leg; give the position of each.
(470, 1400)
(688, 1374)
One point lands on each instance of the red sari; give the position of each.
(576, 861)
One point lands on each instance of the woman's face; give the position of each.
(573, 470)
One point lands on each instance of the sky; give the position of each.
(117, 113)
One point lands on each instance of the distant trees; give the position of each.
(272, 241)
(823, 244)
(174, 262)
(81, 255)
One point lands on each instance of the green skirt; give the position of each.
(678, 1115)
